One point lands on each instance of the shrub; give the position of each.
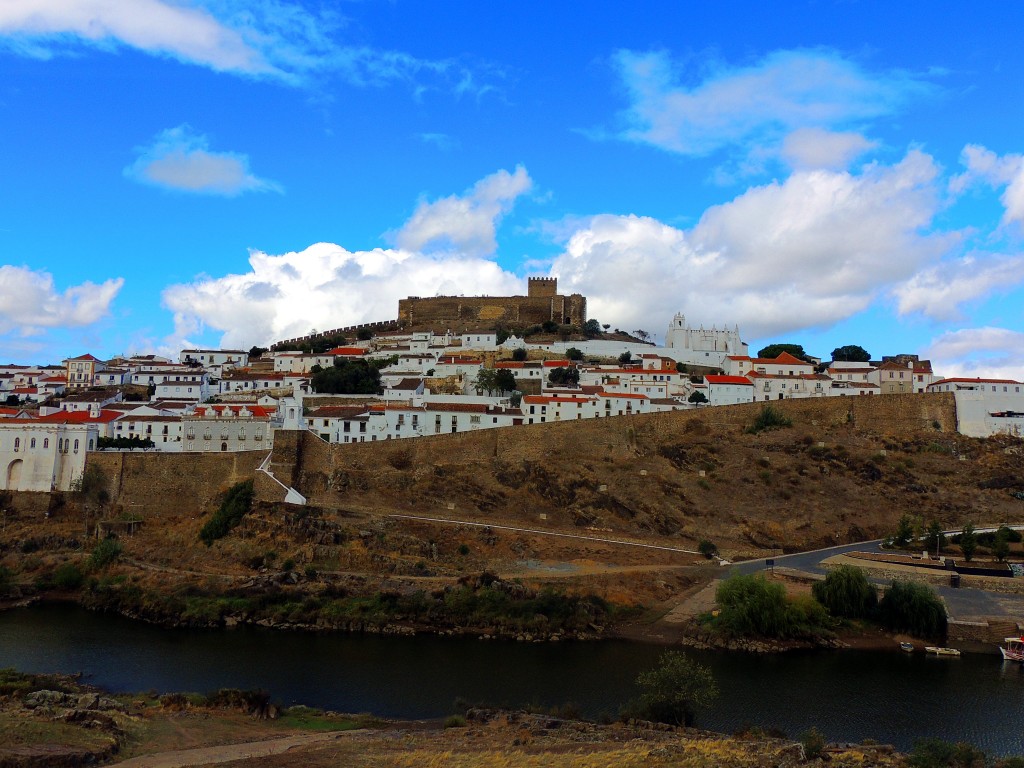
(455, 721)
(936, 753)
(968, 542)
(104, 553)
(911, 607)
(769, 418)
(232, 509)
(463, 549)
(707, 548)
(68, 576)
(813, 742)
(519, 355)
(288, 565)
(673, 690)
(846, 592)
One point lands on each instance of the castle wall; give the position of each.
(460, 313)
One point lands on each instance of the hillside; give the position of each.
(843, 471)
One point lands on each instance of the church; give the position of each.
(702, 346)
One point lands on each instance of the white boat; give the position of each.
(941, 651)
(908, 647)
(1014, 650)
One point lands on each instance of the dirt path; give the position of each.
(227, 753)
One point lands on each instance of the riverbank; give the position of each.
(55, 720)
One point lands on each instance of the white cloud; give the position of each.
(938, 291)
(1005, 172)
(807, 252)
(258, 38)
(188, 33)
(180, 159)
(809, 148)
(327, 286)
(29, 301)
(756, 104)
(979, 352)
(465, 223)
(324, 287)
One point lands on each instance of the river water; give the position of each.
(849, 696)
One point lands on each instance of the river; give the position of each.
(849, 696)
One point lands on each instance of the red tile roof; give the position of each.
(716, 379)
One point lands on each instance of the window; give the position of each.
(46, 443)
(33, 443)
(17, 444)
(76, 445)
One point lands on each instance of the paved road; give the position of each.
(809, 562)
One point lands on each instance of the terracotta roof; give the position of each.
(973, 381)
(336, 411)
(784, 358)
(716, 379)
(84, 357)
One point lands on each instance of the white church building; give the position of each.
(702, 346)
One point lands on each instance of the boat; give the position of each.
(908, 647)
(1014, 650)
(941, 651)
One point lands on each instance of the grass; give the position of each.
(310, 719)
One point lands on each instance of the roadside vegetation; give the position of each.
(235, 504)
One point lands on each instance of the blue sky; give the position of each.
(205, 172)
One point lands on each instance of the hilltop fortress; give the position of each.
(541, 303)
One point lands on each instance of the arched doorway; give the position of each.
(14, 474)
(223, 446)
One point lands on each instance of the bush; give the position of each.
(911, 607)
(455, 721)
(769, 418)
(752, 605)
(846, 592)
(968, 542)
(519, 355)
(104, 553)
(936, 753)
(813, 742)
(673, 690)
(68, 576)
(707, 548)
(232, 509)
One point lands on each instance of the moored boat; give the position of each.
(908, 647)
(942, 651)
(1014, 649)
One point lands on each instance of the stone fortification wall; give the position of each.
(318, 469)
(470, 312)
(171, 484)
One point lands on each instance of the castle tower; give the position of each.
(542, 287)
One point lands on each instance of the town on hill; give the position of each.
(446, 365)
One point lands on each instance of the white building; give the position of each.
(729, 390)
(702, 346)
(228, 428)
(214, 358)
(184, 386)
(43, 456)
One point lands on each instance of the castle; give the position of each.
(701, 346)
(541, 303)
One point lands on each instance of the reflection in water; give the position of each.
(849, 696)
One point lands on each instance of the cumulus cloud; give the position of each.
(30, 302)
(938, 291)
(803, 253)
(730, 106)
(259, 38)
(323, 287)
(180, 159)
(465, 223)
(809, 148)
(979, 352)
(1004, 172)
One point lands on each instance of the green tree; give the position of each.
(505, 380)
(592, 328)
(255, 352)
(935, 539)
(519, 355)
(846, 592)
(233, 506)
(564, 377)
(573, 354)
(697, 397)
(851, 353)
(625, 357)
(675, 689)
(774, 350)
(968, 541)
(364, 334)
(707, 548)
(641, 334)
(904, 532)
(486, 380)
(347, 377)
(1001, 544)
(908, 606)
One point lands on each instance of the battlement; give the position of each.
(541, 287)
